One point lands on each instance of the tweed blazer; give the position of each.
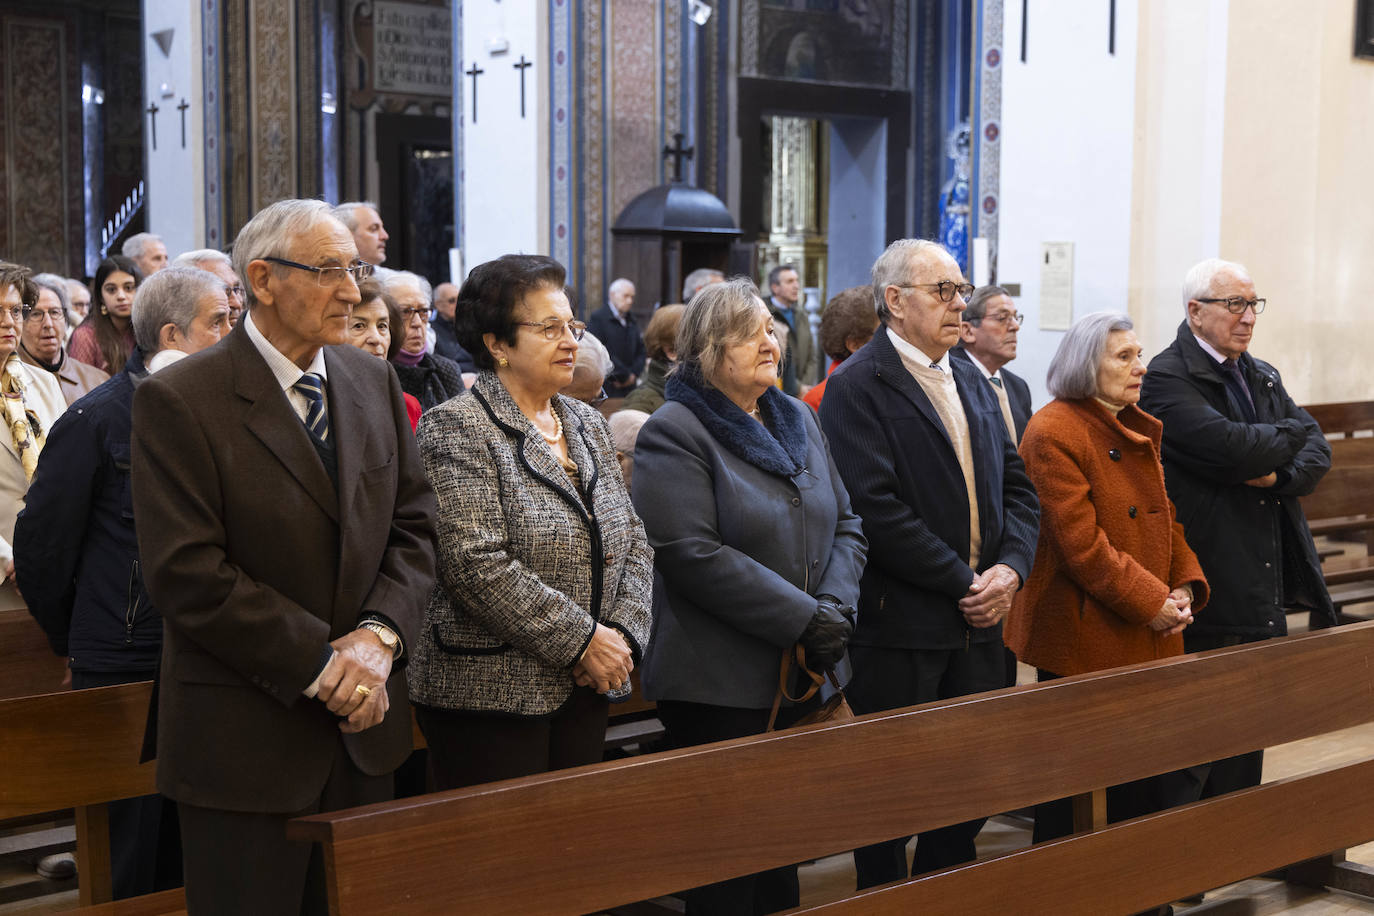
(527, 565)
(256, 562)
(1110, 549)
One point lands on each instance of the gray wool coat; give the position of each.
(740, 554)
(525, 569)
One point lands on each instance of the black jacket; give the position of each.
(446, 344)
(75, 549)
(1253, 543)
(433, 382)
(626, 346)
(1018, 392)
(905, 482)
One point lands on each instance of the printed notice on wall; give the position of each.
(412, 49)
(1056, 286)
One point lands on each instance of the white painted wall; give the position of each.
(1067, 148)
(175, 175)
(505, 174)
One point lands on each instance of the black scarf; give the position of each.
(51, 367)
(780, 448)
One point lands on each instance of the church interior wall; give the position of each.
(1066, 163)
(172, 80)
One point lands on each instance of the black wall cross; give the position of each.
(152, 120)
(474, 72)
(522, 67)
(182, 108)
(679, 153)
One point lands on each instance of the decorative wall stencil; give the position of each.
(988, 95)
(636, 137)
(210, 122)
(273, 76)
(563, 183)
(35, 137)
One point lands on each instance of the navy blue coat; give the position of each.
(905, 482)
(1018, 392)
(446, 344)
(75, 548)
(626, 346)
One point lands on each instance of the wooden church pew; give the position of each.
(606, 835)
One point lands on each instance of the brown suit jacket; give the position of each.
(256, 563)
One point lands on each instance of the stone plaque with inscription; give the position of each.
(412, 48)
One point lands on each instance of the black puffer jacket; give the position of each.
(75, 547)
(1253, 543)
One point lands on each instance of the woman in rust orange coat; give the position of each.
(1114, 581)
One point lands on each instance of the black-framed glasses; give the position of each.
(945, 289)
(1237, 305)
(37, 315)
(330, 276)
(409, 313)
(554, 330)
(1005, 318)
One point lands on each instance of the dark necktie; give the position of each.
(311, 386)
(1236, 381)
(996, 381)
(936, 367)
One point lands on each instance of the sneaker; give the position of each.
(59, 867)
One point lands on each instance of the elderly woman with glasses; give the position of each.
(1114, 582)
(431, 378)
(544, 570)
(43, 334)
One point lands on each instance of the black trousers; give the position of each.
(1230, 773)
(688, 724)
(468, 748)
(893, 678)
(241, 862)
(1054, 819)
(145, 842)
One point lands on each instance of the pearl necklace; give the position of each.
(557, 428)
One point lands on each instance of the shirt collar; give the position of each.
(286, 372)
(164, 358)
(783, 306)
(915, 354)
(1209, 349)
(973, 358)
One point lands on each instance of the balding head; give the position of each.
(446, 300)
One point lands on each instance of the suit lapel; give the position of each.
(348, 425)
(892, 370)
(269, 416)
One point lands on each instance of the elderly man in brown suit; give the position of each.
(286, 533)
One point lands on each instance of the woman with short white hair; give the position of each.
(429, 377)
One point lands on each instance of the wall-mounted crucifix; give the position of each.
(152, 120)
(679, 153)
(182, 108)
(474, 72)
(522, 66)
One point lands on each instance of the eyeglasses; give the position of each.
(238, 290)
(1237, 305)
(945, 288)
(329, 276)
(36, 315)
(407, 314)
(1005, 318)
(554, 330)
(18, 313)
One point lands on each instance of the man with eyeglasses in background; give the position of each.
(987, 339)
(219, 264)
(1237, 455)
(950, 516)
(285, 531)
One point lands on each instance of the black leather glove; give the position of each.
(826, 635)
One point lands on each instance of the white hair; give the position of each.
(395, 279)
(346, 213)
(702, 276)
(619, 284)
(58, 286)
(891, 269)
(1200, 281)
(134, 244)
(170, 296)
(271, 231)
(593, 354)
(1073, 371)
(203, 256)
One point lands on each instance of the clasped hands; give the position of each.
(606, 663)
(353, 684)
(989, 597)
(1176, 614)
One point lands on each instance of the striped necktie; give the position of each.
(311, 387)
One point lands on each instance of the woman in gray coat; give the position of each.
(542, 605)
(756, 548)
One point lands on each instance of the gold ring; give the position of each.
(362, 691)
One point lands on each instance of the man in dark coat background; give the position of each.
(286, 532)
(614, 325)
(950, 516)
(1237, 455)
(987, 339)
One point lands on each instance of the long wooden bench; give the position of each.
(29, 666)
(606, 835)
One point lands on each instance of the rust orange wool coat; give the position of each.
(1110, 549)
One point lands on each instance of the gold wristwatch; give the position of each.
(385, 634)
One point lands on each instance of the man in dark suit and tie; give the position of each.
(950, 516)
(286, 535)
(987, 339)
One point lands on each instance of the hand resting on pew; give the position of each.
(359, 660)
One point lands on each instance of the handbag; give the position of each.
(835, 709)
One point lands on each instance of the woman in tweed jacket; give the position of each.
(545, 575)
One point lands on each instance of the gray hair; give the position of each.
(346, 213)
(618, 284)
(202, 256)
(593, 354)
(977, 308)
(398, 278)
(892, 266)
(134, 244)
(170, 296)
(718, 317)
(58, 285)
(271, 231)
(1073, 371)
(702, 276)
(1200, 280)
